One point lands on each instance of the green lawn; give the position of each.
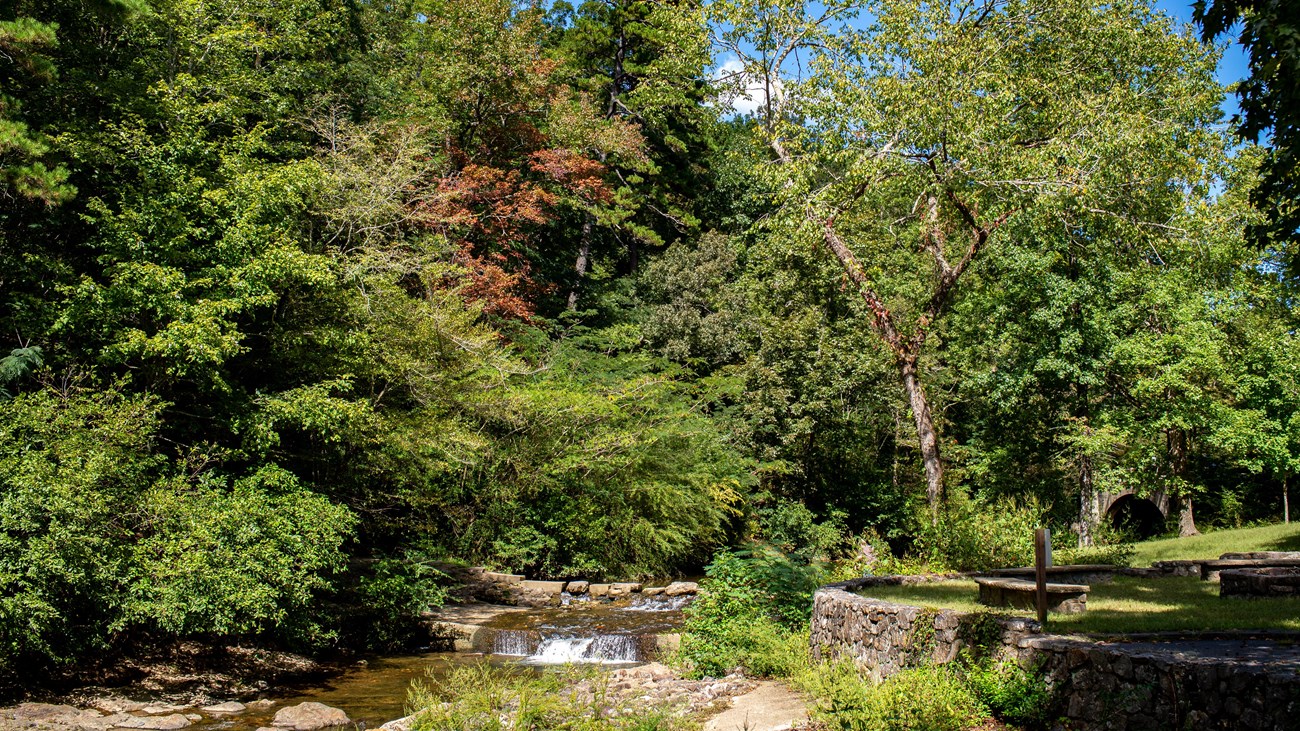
(1280, 537)
(1126, 604)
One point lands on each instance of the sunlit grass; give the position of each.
(1280, 537)
(1125, 604)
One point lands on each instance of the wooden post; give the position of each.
(1042, 552)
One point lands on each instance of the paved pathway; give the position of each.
(769, 707)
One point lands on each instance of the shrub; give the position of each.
(928, 698)
(793, 529)
(1119, 554)
(752, 614)
(247, 559)
(104, 541)
(1011, 693)
(974, 535)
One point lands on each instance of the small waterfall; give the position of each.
(516, 642)
(598, 649)
(659, 603)
(566, 599)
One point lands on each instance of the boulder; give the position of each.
(623, 589)
(223, 708)
(577, 587)
(47, 712)
(598, 589)
(652, 591)
(170, 722)
(309, 716)
(681, 588)
(399, 724)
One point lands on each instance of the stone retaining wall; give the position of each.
(1135, 684)
(882, 638)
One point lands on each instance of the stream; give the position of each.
(523, 642)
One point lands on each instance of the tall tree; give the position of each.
(644, 63)
(916, 143)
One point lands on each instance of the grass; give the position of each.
(1125, 604)
(1279, 537)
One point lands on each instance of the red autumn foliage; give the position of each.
(577, 173)
(493, 212)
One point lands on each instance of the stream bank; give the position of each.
(197, 692)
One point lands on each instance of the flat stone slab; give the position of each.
(1022, 594)
(1257, 653)
(310, 716)
(769, 707)
(1261, 555)
(169, 722)
(1210, 569)
(471, 613)
(682, 588)
(542, 587)
(224, 708)
(1277, 581)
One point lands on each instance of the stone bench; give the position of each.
(1268, 582)
(1022, 594)
(1210, 569)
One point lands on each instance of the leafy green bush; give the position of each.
(974, 535)
(68, 466)
(242, 560)
(751, 613)
(378, 603)
(1011, 693)
(793, 529)
(103, 540)
(927, 698)
(1118, 554)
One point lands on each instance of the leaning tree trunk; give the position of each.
(925, 431)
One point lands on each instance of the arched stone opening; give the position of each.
(1136, 516)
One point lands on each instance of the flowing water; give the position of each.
(586, 632)
(371, 694)
(517, 642)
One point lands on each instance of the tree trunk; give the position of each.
(925, 432)
(1186, 521)
(1177, 441)
(1087, 502)
(1286, 502)
(580, 266)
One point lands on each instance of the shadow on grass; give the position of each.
(1285, 543)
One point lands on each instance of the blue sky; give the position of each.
(1232, 66)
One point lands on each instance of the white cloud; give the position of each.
(743, 93)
